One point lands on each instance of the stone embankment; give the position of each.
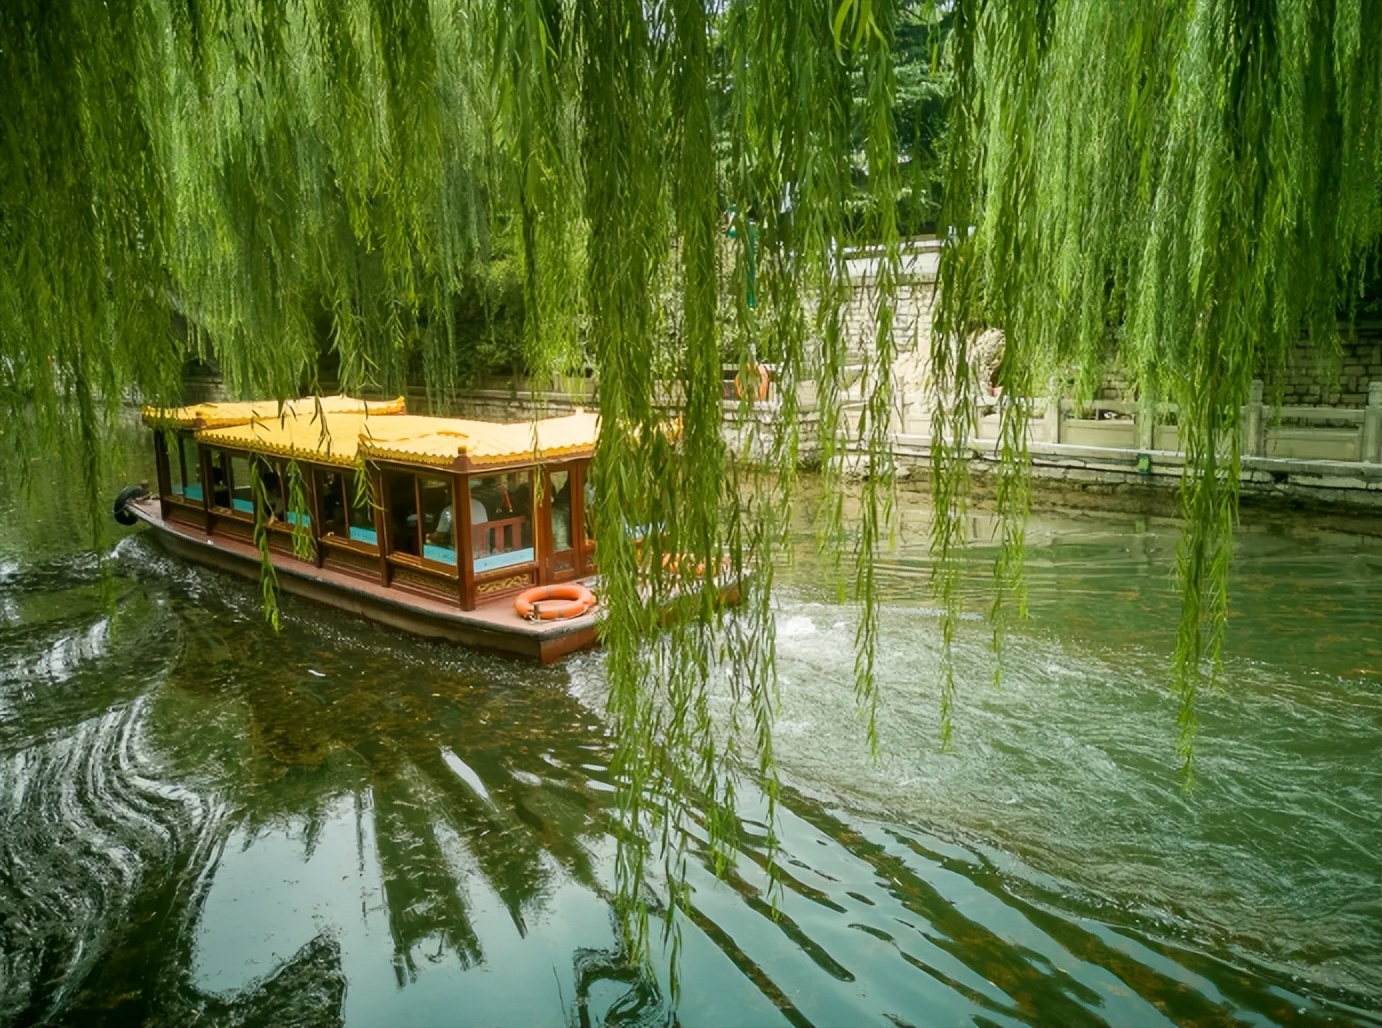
(1111, 451)
(1322, 447)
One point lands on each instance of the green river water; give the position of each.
(204, 822)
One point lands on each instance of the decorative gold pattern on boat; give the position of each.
(502, 585)
(331, 439)
(432, 584)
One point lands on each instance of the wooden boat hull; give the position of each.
(496, 627)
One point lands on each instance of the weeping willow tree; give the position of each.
(1183, 187)
(1186, 188)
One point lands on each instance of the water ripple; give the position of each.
(88, 821)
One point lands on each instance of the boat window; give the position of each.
(359, 505)
(241, 495)
(501, 520)
(561, 510)
(274, 499)
(438, 524)
(220, 478)
(187, 468)
(419, 512)
(400, 510)
(294, 478)
(346, 513)
(588, 517)
(331, 492)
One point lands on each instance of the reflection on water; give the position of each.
(206, 821)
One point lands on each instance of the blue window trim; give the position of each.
(444, 554)
(503, 560)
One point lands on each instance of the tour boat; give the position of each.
(471, 531)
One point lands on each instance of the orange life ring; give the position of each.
(742, 389)
(535, 604)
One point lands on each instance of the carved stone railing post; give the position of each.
(1053, 412)
(1254, 423)
(1371, 450)
(1144, 420)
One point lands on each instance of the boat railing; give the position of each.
(503, 535)
(499, 543)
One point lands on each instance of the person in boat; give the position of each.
(445, 532)
(274, 497)
(333, 505)
(220, 491)
(561, 517)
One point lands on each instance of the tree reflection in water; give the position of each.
(206, 822)
(450, 775)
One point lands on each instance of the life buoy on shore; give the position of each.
(746, 389)
(540, 603)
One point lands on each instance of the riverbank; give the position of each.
(1090, 479)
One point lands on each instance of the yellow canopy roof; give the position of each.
(487, 443)
(408, 438)
(222, 415)
(332, 438)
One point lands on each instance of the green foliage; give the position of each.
(1186, 187)
(304, 544)
(268, 576)
(442, 186)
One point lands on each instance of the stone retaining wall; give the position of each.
(1101, 478)
(1311, 381)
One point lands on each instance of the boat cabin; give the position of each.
(469, 512)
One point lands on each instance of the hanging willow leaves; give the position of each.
(1181, 188)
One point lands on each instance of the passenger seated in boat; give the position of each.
(333, 505)
(220, 492)
(561, 517)
(445, 533)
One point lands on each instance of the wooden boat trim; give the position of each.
(495, 627)
(392, 561)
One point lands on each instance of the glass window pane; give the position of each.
(438, 520)
(274, 498)
(241, 495)
(220, 478)
(400, 508)
(331, 493)
(589, 494)
(561, 510)
(360, 509)
(501, 520)
(296, 481)
(187, 468)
